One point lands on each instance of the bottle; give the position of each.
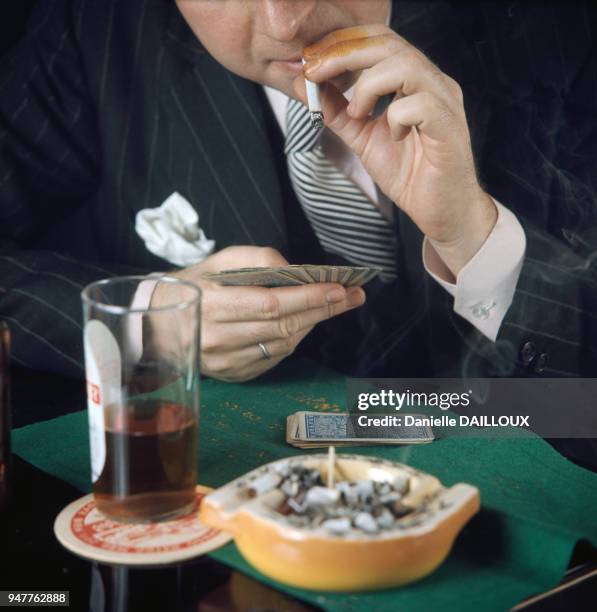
(5, 415)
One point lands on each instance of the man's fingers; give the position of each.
(235, 334)
(346, 34)
(404, 73)
(353, 132)
(351, 56)
(425, 111)
(226, 304)
(282, 347)
(249, 361)
(238, 369)
(285, 301)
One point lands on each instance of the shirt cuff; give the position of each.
(485, 287)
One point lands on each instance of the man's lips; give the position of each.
(294, 65)
(297, 57)
(305, 43)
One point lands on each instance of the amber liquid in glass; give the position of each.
(150, 470)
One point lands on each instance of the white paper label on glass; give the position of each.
(103, 365)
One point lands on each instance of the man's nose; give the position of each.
(282, 19)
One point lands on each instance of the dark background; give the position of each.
(13, 18)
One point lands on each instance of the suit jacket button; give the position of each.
(540, 363)
(528, 352)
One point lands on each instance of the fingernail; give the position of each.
(311, 66)
(356, 297)
(335, 296)
(350, 109)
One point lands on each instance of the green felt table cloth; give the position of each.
(535, 504)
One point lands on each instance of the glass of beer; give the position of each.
(141, 339)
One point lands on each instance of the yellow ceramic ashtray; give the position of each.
(374, 524)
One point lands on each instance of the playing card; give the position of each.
(314, 429)
(299, 273)
(261, 277)
(292, 436)
(322, 426)
(285, 276)
(344, 275)
(357, 277)
(317, 273)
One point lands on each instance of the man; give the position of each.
(107, 110)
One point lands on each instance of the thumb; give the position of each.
(242, 257)
(247, 257)
(269, 257)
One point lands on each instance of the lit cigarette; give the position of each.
(314, 103)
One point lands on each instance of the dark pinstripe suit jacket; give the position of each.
(109, 107)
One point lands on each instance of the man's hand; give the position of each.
(418, 151)
(234, 320)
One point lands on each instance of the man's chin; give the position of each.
(281, 78)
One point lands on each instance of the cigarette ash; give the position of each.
(365, 506)
(317, 120)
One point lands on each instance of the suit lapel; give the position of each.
(219, 131)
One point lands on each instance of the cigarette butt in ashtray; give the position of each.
(263, 484)
(314, 103)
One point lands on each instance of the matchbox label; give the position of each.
(93, 393)
(91, 527)
(103, 366)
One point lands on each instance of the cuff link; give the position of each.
(482, 310)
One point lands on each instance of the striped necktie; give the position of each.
(344, 219)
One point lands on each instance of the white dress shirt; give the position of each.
(485, 287)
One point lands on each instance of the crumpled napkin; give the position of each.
(172, 231)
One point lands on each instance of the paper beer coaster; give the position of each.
(83, 530)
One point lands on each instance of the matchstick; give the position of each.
(331, 465)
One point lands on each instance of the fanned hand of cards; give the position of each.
(348, 276)
(320, 429)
